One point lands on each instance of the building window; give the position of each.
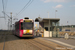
(46, 28)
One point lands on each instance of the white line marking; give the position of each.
(61, 43)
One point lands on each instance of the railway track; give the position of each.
(4, 41)
(38, 45)
(3, 38)
(1, 35)
(50, 44)
(15, 43)
(31, 46)
(43, 45)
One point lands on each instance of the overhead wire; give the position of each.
(6, 4)
(5, 21)
(4, 8)
(30, 1)
(3, 4)
(29, 4)
(24, 7)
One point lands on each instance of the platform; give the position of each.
(70, 43)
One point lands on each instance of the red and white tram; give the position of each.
(24, 28)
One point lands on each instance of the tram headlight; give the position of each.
(30, 31)
(24, 31)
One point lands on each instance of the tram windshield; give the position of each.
(27, 25)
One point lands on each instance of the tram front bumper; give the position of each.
(27, 35)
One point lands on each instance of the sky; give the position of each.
(65, 10)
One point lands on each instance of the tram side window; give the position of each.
(17, 26)
(21, 26)
(46, 28)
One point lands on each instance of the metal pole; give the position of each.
(55, 29)
(48, 14)
(8, 24)
(70, 28)
(11, 20)
(62, 27)
(49, 28)
(55, 13)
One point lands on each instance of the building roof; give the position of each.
(52, 18)
(46, 19)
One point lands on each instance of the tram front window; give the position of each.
(27, 25)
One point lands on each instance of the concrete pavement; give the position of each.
(70, 43)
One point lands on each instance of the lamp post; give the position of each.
(62, 27)
(8, 24)
(48, 14)
(55, 13)
(11, 20)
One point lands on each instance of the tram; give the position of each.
(24, 28)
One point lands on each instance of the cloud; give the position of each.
(72, 6)
(58, 6)
(46, 1)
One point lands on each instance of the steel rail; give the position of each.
(35, 45)
(1, 36)
(38, 41)
(43, 44)
(27, 40)
(4, 41)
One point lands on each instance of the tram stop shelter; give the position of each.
(48, 27)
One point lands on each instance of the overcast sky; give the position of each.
(65, 10)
